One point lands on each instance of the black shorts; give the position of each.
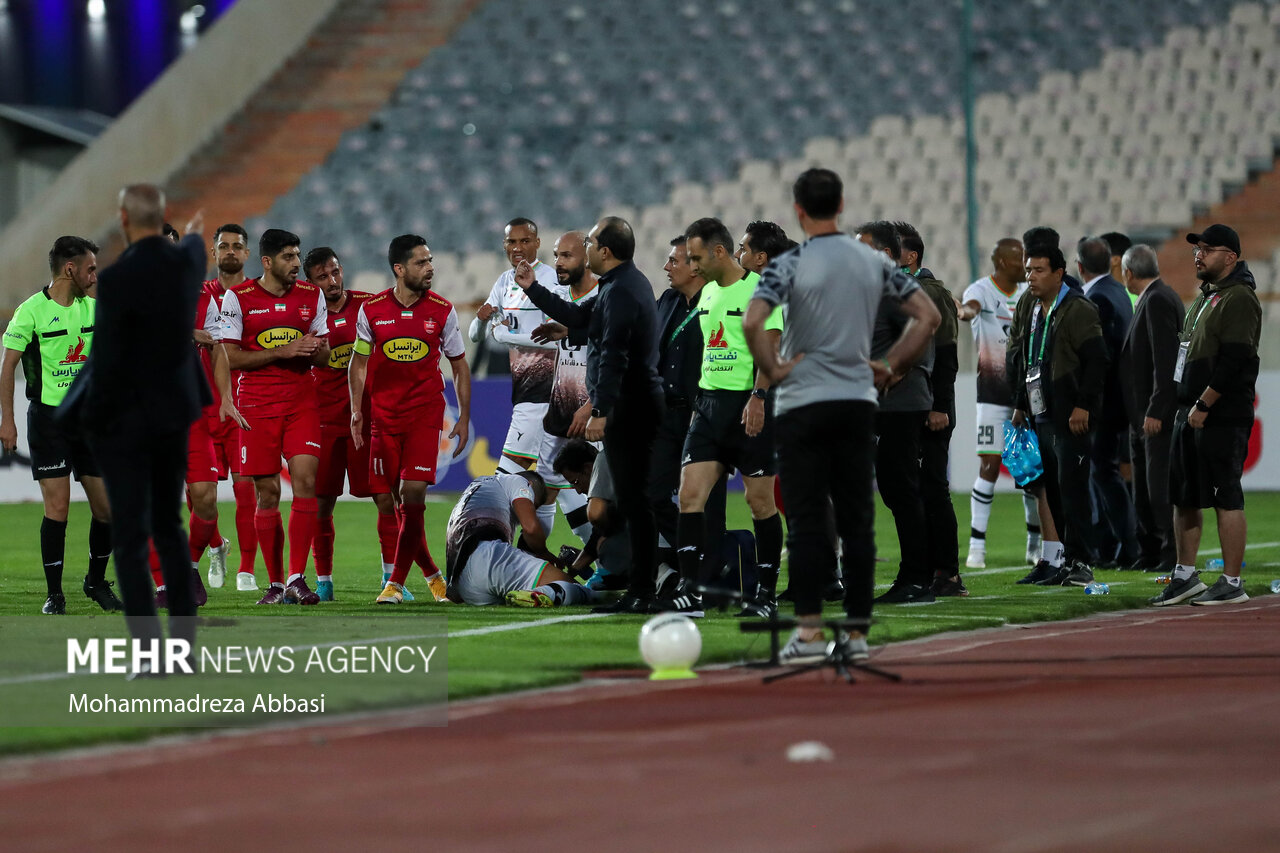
(716, 434)
(57, 449)
(1206, 465)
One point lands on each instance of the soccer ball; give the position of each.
(670, 644)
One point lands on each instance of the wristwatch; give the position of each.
(759, 393)
(1202, 405)
(596, 413)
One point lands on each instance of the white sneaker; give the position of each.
(855, 648)
(218, 565)
(246, 582)
(976, 559)
(798, 651)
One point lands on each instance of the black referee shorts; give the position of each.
(716, 434)
(57, 449)
(1206, 465)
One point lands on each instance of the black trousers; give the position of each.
(1066, 479)
(935, 494)
(1113, 507)
(1150, 456)
(664, 486)
(144, 474)
(826, 457)
(898, 477)
(628, 446)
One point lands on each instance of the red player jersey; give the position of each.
(404, 346)
(257, 321)
(332, 394)
(209, 319)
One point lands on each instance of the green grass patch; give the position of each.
(482, 661)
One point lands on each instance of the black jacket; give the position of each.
(679, 358)
(1148, 355)
(1223, 327)
(1115, 315)
(621, 328)
(144, 371)
(1075, 360)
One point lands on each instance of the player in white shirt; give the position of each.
(988, 304)
(481, 564)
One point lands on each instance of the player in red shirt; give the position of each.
(274, 330)
(339, 458)
(230, 254)
(400, 335)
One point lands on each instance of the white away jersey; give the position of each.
(991, 337)
(569, 387)
(532, 365)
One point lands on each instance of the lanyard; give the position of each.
(1044, 335)
(1196, 321)
(693, 312)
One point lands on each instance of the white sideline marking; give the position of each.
(466, 632)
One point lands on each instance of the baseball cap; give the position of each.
(1217, 235)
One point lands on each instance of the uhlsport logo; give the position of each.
(406, 349)
(277, 337)
(340, 356)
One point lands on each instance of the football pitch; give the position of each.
(499, 649)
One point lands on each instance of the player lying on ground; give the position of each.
(482, 565)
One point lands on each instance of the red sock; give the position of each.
(388, 531)
(201, 536)
(302, 533)
(323, 547)
(216, 540)
(246, 523)
(270, 534)
(409, 542)
(153, 560)
(423, 559)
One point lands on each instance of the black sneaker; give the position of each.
(55, 605)
(1042, 570)
(628, 604)
(684, 599)
(1222, 592)
(759, 606)
(1057, 577)
(1177, 591)
(906, 593)
(834, 591)
(101, 594)
(946, 587)
(1080, 575)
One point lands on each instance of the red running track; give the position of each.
(1151, 730)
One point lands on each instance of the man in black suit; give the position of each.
(1113, 509)
(145, 388)
(622, 382)
(1150, 395)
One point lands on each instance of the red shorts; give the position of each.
(339, 457)
(226, 445)
(202, 462)
(295, 433)
(404, 456)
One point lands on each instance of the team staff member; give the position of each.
(1065, 370)
(51, 333)
(1216, 371)
(832, 286)
(760, 243)
(274, 330)
(622, 382)
(230, 253)
(142, 418)
(400, 335)
(339, 459)
(1146, 376)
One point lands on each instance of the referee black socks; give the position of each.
(53, 546)
(768, 550)
(99, 549)
(690, 538)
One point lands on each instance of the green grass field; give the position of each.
(497, 649)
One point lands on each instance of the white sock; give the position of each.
(161, 588)
(980, 513)
(322, 578)
(569, 502)
(1052, 552)
(1032, 513)
(1181, 572)
(292, 578)
(1235, 582)
(547, 518)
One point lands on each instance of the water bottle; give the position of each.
(1275, 586)
(1216, 563)
(1164, 579)
(1097, 588)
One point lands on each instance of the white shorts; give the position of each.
(991, 421)
(495, 569)
(524, 436)
(547, 453)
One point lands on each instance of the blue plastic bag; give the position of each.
(1021, 453)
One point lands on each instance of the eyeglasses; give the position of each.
(1200, 252)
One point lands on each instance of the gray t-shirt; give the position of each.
(832, 286)
(912, 393)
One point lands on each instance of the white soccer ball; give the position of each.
(670, 641)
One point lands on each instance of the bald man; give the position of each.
(988, 305)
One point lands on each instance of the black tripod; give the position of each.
(838, 658)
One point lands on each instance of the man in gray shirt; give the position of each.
(826, 399)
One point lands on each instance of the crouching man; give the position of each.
(482, 565)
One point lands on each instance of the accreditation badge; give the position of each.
(1035, 393)
(1182, 360)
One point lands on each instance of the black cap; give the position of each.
(1217, 235)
